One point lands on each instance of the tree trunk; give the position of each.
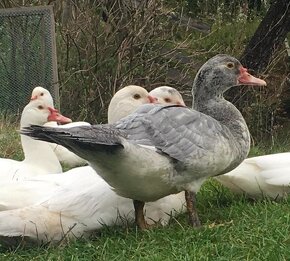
(268, 37)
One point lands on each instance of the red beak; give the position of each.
(152, 99)
(56, 116)
(247, 79)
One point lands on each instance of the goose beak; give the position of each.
(56, 116)
(247, 79)
(152, 99)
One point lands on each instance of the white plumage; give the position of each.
(39, 157)
(63, 154)
(263, 176)
(74, 203)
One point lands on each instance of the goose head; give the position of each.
(37, 112)
(126, 101)
(217, 75)
(40, 93)
(167, 95)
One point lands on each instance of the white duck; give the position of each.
(40, 93)
(78, 201)
(188, 146)
(258, 177)
(39, 158)
(126, 101)
(65, 156)
(167, 95)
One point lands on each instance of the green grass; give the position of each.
(234, 228)
(10, 146)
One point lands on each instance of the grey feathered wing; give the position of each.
(179, 132)
(176, 131)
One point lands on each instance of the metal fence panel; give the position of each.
(27, 55)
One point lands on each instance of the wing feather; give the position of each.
(176, 131)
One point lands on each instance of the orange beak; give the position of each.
(56, 116)
(247, 79)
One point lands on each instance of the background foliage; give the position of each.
(105, 45)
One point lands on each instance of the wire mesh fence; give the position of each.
(27, 55)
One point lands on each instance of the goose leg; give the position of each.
(190, 199)
(139, 214)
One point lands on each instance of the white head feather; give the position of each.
(167, 95)
(40, 93)
(126, 101)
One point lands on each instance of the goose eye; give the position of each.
(40, 107)
(167, 100)
(230, 65)
(137, 96)
(42, 94)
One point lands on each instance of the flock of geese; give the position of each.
(154, 151)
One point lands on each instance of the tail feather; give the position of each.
(77, 139)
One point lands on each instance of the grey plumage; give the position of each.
(100, 137)
(174, 130)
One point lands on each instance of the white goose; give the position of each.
(258, 177)
(78, 201)
(39, 158)
(65, 156)
(187, 146)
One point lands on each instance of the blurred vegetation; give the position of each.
(103, 46)
(25, 58)
(10, 145)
